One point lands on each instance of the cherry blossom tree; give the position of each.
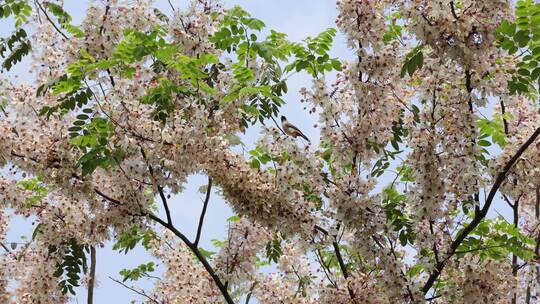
(442, 96)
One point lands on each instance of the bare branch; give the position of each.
(203, 212)
(160, 189)
(92, 275)
(172, 6)
(50, 20)
(453, 9)
(142, 293)
(5, 247)
(505, 122)
(248, 297)
(165, 205)
(343, 268)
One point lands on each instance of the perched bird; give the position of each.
(291, 130)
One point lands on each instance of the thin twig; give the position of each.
(5, 247)
(515, 222)
(160, 189)
(505, 122)
(50, 20)
(203, 212)
(165, 205)
(277, 125)
(142, 293)
(172, 6)
(326, 269)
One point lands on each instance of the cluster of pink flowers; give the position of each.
(477, 281)
(185, 280)
(464, 32)
(236, 262)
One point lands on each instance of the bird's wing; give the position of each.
(298, 132)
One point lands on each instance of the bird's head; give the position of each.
(283, 118)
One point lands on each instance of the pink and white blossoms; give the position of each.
(427, 128)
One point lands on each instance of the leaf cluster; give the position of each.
(127, 240)
(137, 272)
(38, 189)
(394, 204)
(73, 263)
(414, 60)
(523, 34)
(18, 46)
(497, 239)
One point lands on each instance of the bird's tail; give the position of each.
(304, 136)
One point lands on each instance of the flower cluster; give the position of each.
(464, 33)
(185, 280)
(237, 260)
(476, 281)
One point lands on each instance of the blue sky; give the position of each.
(299, 19)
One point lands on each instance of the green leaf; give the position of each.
(72, 264)
(484, 143)
(138, 272)
(273, 250)
(413, 61)
(128, 239)
(234, 218)
(206, 253)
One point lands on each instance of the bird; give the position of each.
(291, 130)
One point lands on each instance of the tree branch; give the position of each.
(188, 243)
(50, 20)
(505, 122)
(339, 257)
(92, 275)
(248, 297)
(199, 256)
(172, 6)
(165, 205)
(343, 268)
(160, 189)
(326, 269)
(5, 247)
(480, 214)
(136, 291)
(453, 9)
(203, 212)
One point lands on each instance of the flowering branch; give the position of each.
(480, 214)
(199, 256)
(181, 87)
(339, 257)
(186, 241)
